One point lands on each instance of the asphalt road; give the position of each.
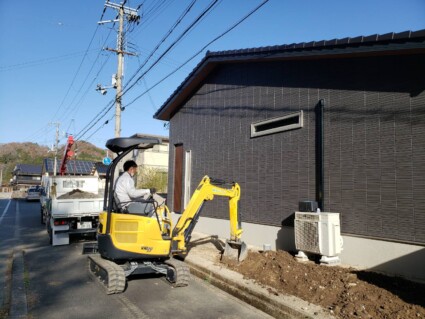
(54, 281)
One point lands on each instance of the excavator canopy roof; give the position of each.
(121, 144)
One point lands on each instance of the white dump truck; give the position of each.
(70, 205)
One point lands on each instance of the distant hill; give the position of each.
(32, 153)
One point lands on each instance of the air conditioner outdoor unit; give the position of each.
(318, 233)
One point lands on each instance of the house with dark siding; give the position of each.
(26, 175)
(340, 122)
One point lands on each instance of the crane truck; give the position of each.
(70, 204)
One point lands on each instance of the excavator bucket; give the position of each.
(235, 251)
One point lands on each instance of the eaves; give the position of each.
(375, 45)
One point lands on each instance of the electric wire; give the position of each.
(199, 51)
(76, 107)
(102, 113)
(128, 86)
(154, 12)
(109, 107)
(164, 38)
(100, 127)
(69, 109)
(39, 62)
(76, 73)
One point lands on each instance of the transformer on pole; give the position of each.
(131, 16)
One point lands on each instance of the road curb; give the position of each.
(18, 302)
(5, 295)
(262, 298)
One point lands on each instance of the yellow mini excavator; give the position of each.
(146, 242)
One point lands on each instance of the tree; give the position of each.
(149, 177)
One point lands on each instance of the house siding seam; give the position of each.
(374, 141)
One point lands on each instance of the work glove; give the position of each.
(153, 190)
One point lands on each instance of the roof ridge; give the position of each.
(373, 38)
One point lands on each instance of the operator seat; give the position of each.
(117, 206)
(135, 207)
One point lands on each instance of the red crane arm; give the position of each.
(67, 154)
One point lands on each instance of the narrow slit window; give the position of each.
(279, 124)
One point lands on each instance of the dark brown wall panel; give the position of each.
(374, 140)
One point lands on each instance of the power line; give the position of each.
(76, 107)
(201, 50)
(91, 84)
(100, 127)
(34, 63)
(86, 78)
(101, 114)
(168, 33)
(169, 48)
(81, 63)
(154, 12)
(108, 107)
(76, 73)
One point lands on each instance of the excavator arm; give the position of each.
(206, 190)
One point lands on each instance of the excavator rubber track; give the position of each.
(110, 275)
(182, 272)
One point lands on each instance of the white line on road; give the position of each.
(18, 304)
(17, 226)
(5, 210)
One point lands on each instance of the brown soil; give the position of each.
(78, 194)
(344, 292)
(18, 194)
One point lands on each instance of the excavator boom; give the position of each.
(206, 190)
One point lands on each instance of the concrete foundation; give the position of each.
(391, 258)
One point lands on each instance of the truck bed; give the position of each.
(76, 207)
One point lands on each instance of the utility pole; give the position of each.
(55, 149)
(120, 54)
(132, 16)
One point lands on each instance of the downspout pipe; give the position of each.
(320, 155)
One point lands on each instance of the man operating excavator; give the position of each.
(136, 243)
(126, 195)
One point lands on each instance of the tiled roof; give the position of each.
(407, 40)
(101, 168)
(27, 169)
(386, 38)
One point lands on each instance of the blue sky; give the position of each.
(51, 56)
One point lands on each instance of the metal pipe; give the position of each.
(320, 154)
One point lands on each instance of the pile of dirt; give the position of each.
(78, 194)
(18, 194)
(344, 292)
